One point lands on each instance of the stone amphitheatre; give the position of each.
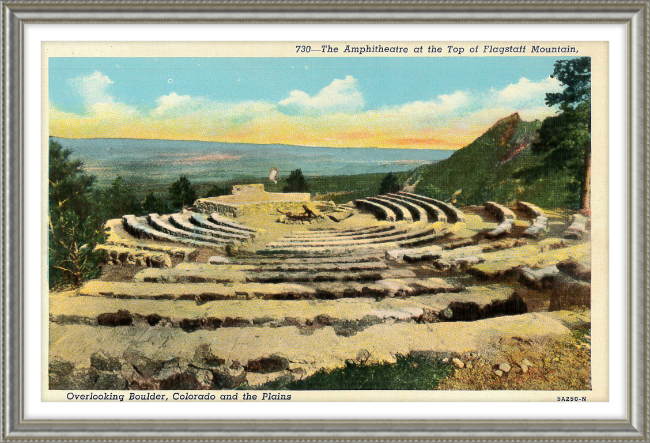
(243, 289)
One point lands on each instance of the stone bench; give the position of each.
(578, 227)
(499, 211)
(157, 222)
(335, 238)
(396, 237)
(120, 255)
(342, 233)
(136, 228)
(454, 215)
(179, 222)
(201, 221)
(380, 211)
(204, 292)
(434, 213)
(529, 209)
(220, 220)
(400, 211)
(214, 274)
(505, 216)
(418, 213)
(538, 227)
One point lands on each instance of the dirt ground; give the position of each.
(545, 364)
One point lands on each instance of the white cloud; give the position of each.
(526, 92)
(338, 96)
(173, 104)
(93, 88)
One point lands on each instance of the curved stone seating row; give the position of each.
(211, 275)
(134, 227)
(118, 236)
(505, 215)
(577, 228)
(405, 287)
(378, 210)
(500, 211)
(400, 211)
(419, 241)
(392, 238)
(201, 221)
(223, 221)
(539, 226)
(454, 215)
(179, 222)
(530, 209)
(120, 255)
(157, 222)
(340, 234)
(333, 238)
(433, 212)
(418, 213)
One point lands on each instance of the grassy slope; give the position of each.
(476, 171)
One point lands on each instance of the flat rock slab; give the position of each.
(575, 269)
(203, 292)
(501, 263)
(321, 349)
(244, 274)
(483, 302)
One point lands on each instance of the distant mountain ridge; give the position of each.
(499, 165)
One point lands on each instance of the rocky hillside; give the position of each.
(499, 166)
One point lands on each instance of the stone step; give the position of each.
(401, 212)
(503, 263)
(349, 258)
(151, 358)
(397, 236)
(349, 231)
(223, 221)
(161, 224)
(203, 292)
(454, 215)
(139, 229)
(179, 222)
(425, 239)
(245, 274)
(537, 228)
(434, 213)
(500, 212)
(382, 212)
(418, 213)
(377, 230)
(118, 236)
(530, 209)
(310, 267)
(470, 305)
(120, 255)
(334, 238)
(200, 220)
(578, 227)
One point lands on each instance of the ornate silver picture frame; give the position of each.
(17, 424)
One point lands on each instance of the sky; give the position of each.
(385, 102)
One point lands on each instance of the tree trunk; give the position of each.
(585, 188)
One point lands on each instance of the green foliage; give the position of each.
(575, 76)
(480, 171)
(389, 184)
(181, 193)
(296, 182)
(118, 200)
(154, 204)
(217, 190)
(410, 372)
(75, 223)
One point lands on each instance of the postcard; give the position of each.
(325, 221)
